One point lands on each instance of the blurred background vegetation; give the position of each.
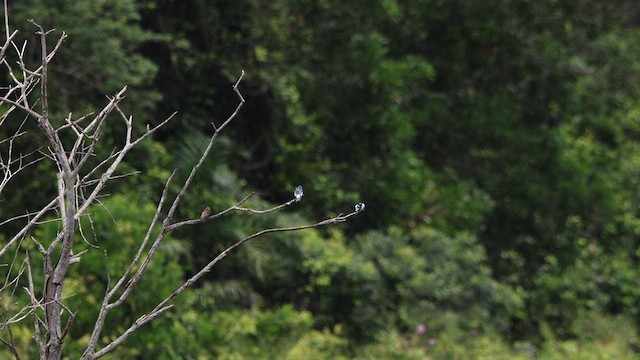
(495, 143)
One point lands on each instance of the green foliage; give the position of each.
(240, 334)
(100, 56)
(396, 279)
(391, 345)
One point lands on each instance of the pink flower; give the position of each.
(421, 329)
(432, 342)
(474, 332)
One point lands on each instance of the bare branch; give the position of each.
(30, 224)
(152, 130)
(109, 293)
(102, 315)
(11, 344)
(6, 325)
(235, 207)
(135, 326)
(98, 123)
(143, 245)
(210, 217)
(254, 211)
(207, 268)
(35, 304)
(117, 159)
(10, 165)
(205, 153)
(164, 305)
(67, 198)
(22, 107)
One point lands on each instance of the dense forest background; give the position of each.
(496, 145)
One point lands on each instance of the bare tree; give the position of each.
(79, 185)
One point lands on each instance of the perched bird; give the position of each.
(205, 213)
(359, 206)
(298, 193)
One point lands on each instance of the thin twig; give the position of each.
(143, 245)
(26, 228)
(206, 151)
(180, 224)
(35, 304)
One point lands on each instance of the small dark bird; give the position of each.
(205, 213)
